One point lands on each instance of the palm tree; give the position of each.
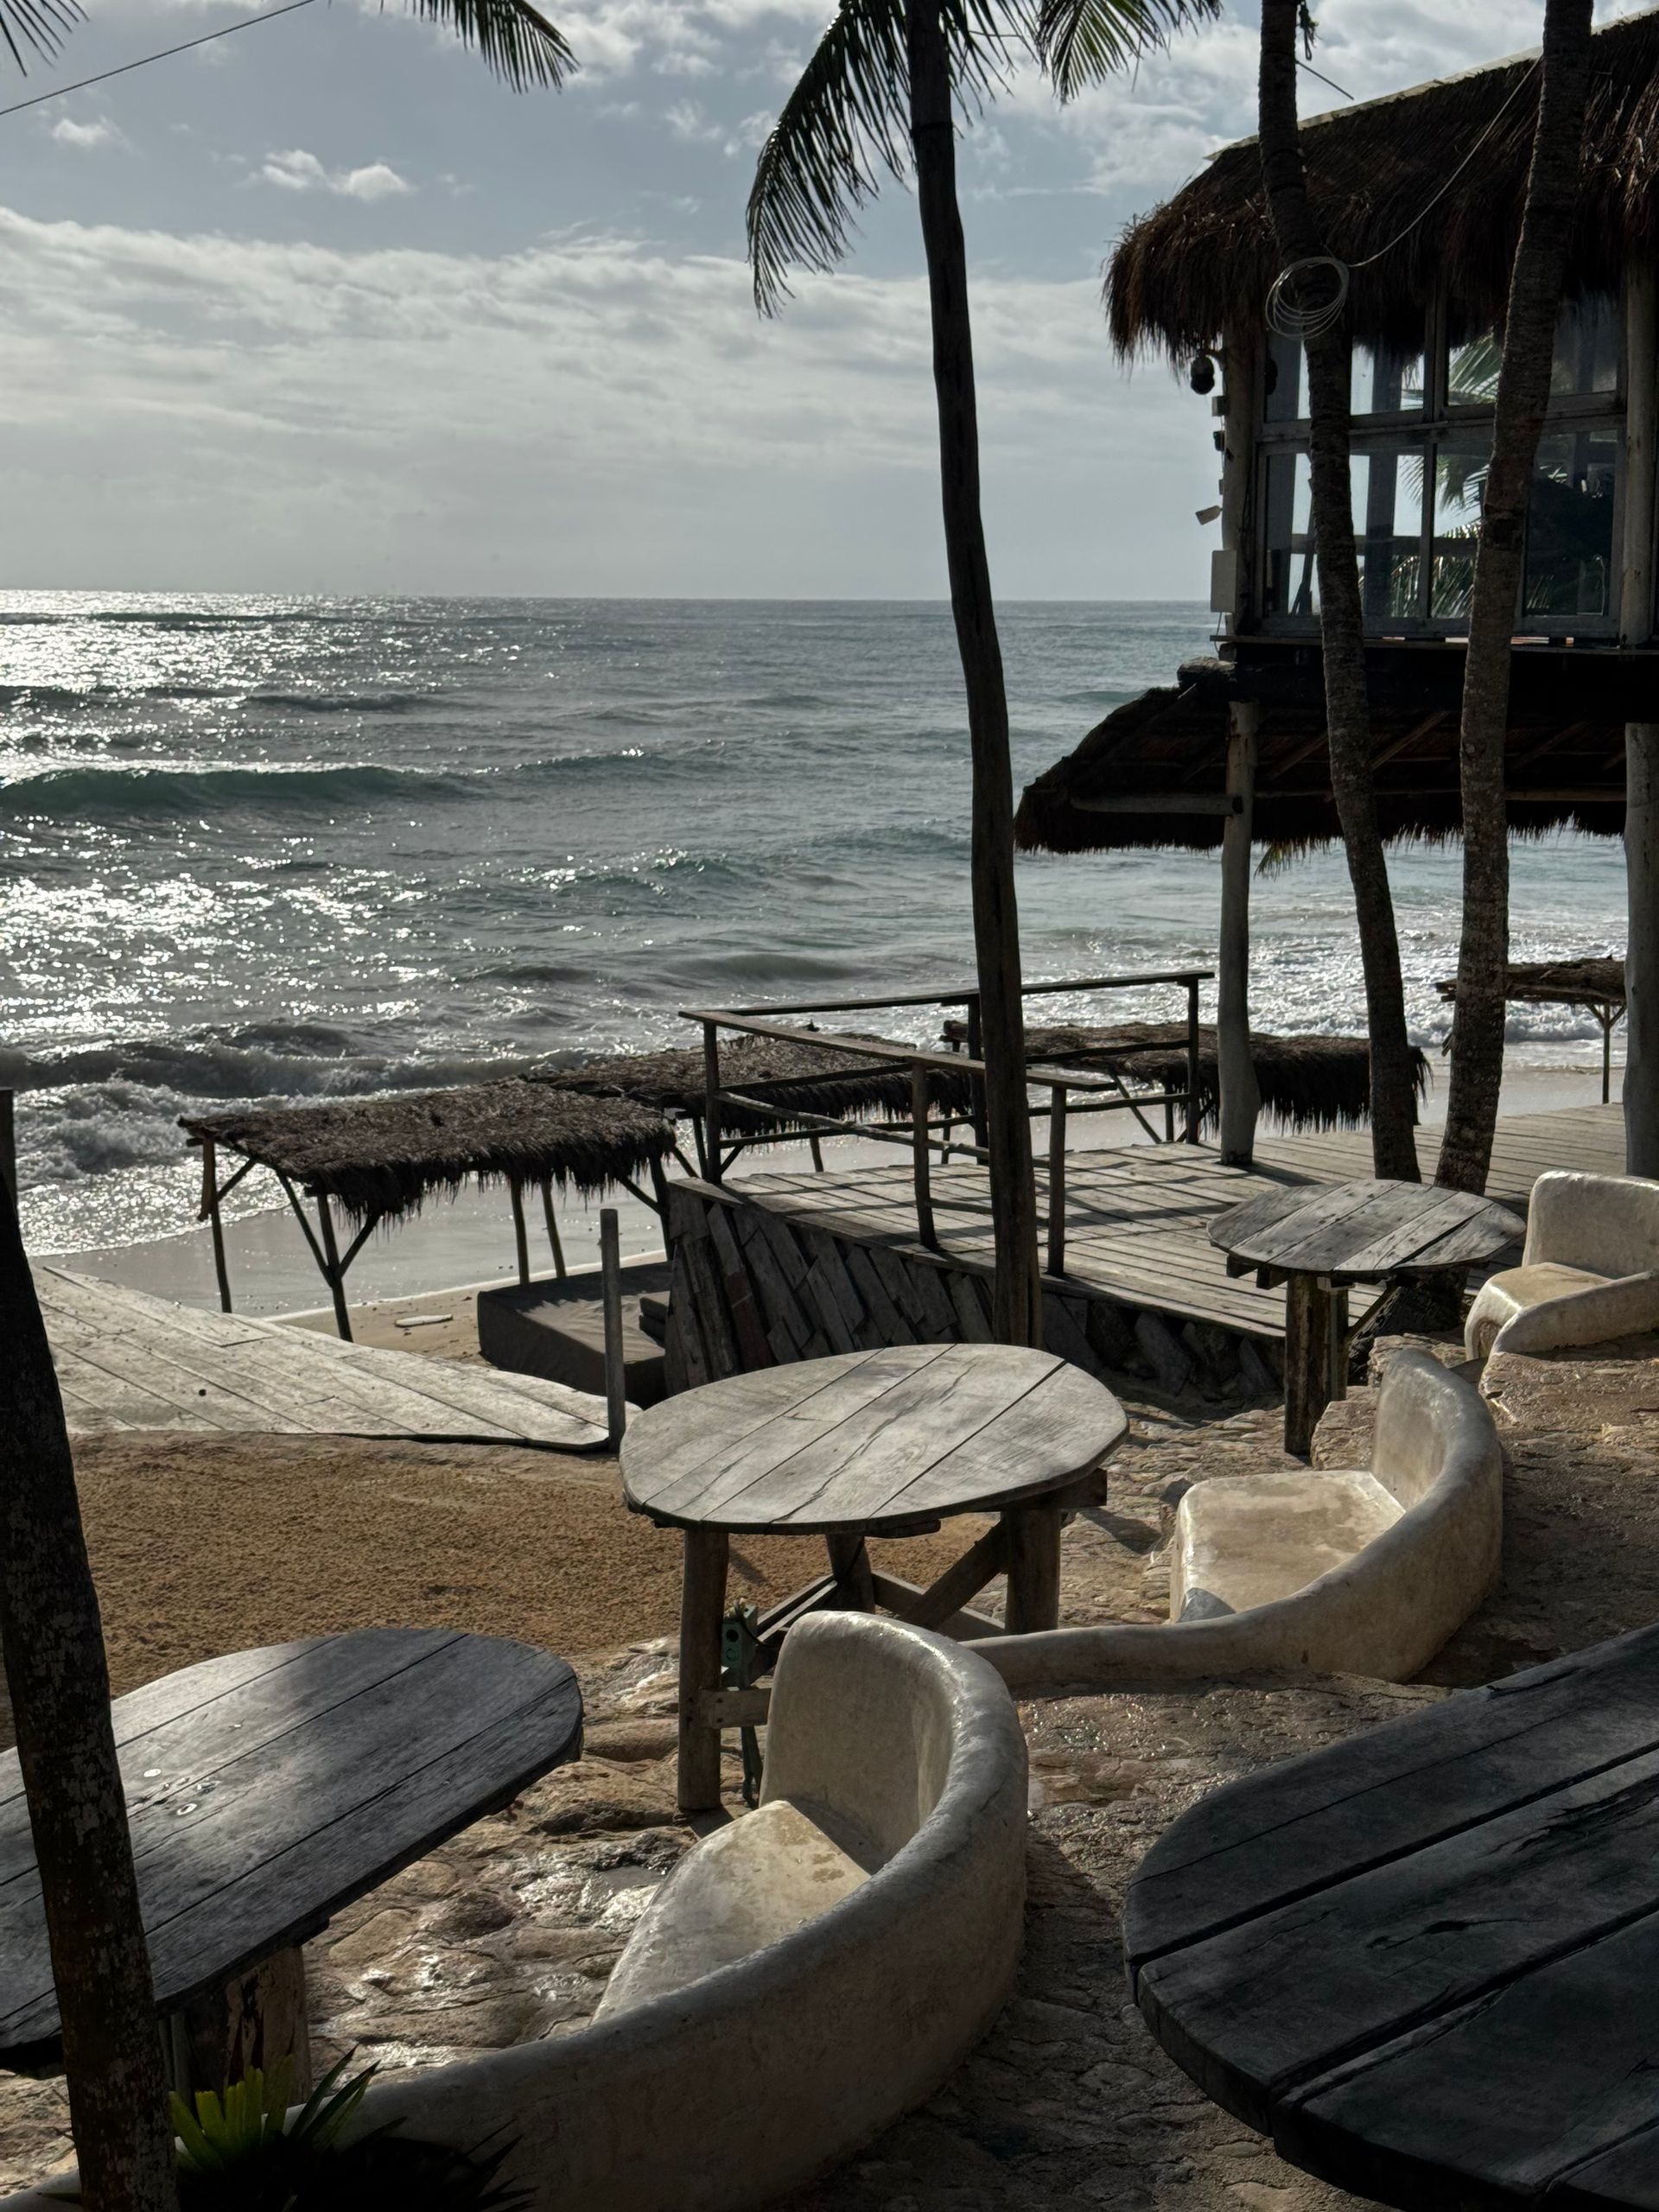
(1534, 298)
(51, 1636)
(1342, 630)
(882, 92)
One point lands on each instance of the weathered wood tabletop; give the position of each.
(268, 1788)
(869, 1442)
(1319, 1240)
(1423, 1960)
(1363, 1232)
(885, 1443)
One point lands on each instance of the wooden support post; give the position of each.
(659, 1190)
(610, 1268)
(849, 1561)
(1191, 1131)
(1241, 1093)
(258, 2018)
(520, 1236)
(1057, 1180)
(9, 1146)
(549, 1215)
(1311, 1315)
(1642, 949)
(976, 1084)
(711, 1166)
(1606, 1020)
(210, 1207)
(703, 1603)
(1033, 1541)
(333, 1273)
(1635, 625)
(817, 1151)
(919, 1168)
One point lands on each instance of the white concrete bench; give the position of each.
(805, 1975)
(1362, 1572)
(1589, 1270)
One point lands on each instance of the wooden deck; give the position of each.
(126, 1361)
(1138, 1216)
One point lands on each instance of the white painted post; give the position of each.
(1640, 738)
(1241, 1094)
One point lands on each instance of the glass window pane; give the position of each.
(1472, 371)
(1387, 378)
(1388, 495)
(1290, 586)
(1570, 530)
(1286, 382)
(1460, 462)
(1587, 346)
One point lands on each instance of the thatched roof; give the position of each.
(1204, 258)
(1599, 981)
(1310, 1083)
(792, 1079)
(1562, 773)
(385, 1153)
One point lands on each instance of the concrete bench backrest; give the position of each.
(862, 1732)
(1607, 1224)
(1425, 1414)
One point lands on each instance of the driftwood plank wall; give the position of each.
(751, 1288)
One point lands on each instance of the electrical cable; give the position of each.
(1286, 319)
(144, 60)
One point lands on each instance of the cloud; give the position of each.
(588, 416)
(100, 131)
(298, 171)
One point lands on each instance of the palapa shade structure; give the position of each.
(792, 1081)
(1154, 772)
(379, 1158)
(1179, 274)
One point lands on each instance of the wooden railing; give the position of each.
(1105, 1091)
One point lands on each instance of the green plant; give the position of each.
(241, 2152)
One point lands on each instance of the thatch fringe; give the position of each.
(1598, 981)
(798, 1079)
(1309, 1082)
(1181, 275)
(385, 1153)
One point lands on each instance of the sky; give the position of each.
(323, 307)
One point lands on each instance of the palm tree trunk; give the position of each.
(1347, 709)
(1017, 1306)
(1518, 421)
(52, 1643)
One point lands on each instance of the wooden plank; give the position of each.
(889, 1323)
(1273, 1837)
(747, 1325)
(256, 1849)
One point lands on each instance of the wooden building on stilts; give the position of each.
(1419, 196)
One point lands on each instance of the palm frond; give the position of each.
(40, 25)
(1082, 41)
(515, 39)
(847, 122)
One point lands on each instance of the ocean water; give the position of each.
(281, 849)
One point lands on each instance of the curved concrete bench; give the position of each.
(1361, 1573)
(1589, 1270)
(804, 1976)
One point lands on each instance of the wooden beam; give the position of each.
(1241, 1093)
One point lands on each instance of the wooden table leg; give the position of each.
(702, 1604)
(1313, 1325)
(1033, 1536)
(258, 2018)
(849, 1562)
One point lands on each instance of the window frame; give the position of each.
(1430, 423)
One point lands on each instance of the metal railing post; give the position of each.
(1056, 1181)
(1192, 1061)
(918, 1154)
(711, 1100)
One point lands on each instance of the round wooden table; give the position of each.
(1317, 1239)
(1423, 1960)
(886, 1443)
